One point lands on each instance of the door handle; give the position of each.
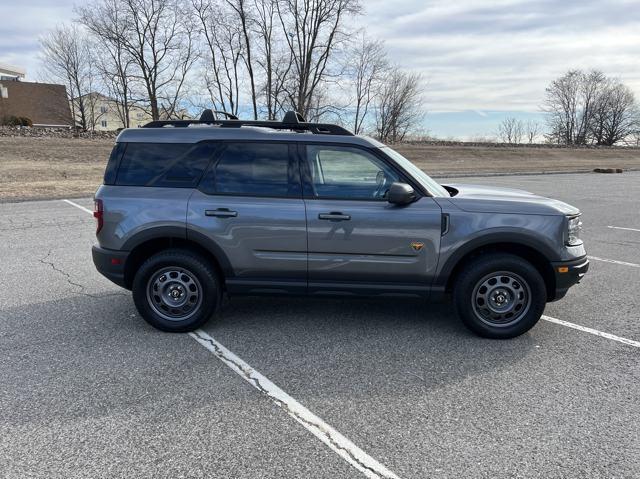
(334, 216)
(221, 213)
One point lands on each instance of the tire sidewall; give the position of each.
(196, 266)
(483, 266)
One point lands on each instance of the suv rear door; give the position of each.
(249, 207)
(357, 241)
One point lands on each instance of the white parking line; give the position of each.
(87, 210)
(332, 438)
(614, 261)
(602, 334)
(316, 426)
(621, 228)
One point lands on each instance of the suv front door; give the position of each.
(357, 241)
(249, 208)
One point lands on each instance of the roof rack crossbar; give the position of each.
(316, 128)
(292, 121)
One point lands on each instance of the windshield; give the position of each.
(429, 183)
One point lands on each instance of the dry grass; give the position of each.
(51, 167)
(470, 160)
(39, 168)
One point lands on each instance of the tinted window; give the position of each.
(164, 164)
(253, 169)
(348, 173)
(111, 171)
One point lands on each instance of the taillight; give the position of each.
(98, 212)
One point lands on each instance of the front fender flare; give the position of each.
(492, 238)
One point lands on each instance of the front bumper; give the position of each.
(111, 264)
(568, 273)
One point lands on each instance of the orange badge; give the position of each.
(417, 245)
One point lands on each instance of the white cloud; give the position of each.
(501, 55)
(21, 26)
(474, 55)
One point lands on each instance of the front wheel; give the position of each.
(500, 296)
(176, 291)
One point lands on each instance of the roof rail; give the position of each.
(292, 121)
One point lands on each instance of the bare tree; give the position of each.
(158, 35)
(616, 115)
(67, 58)
(589, 108)
(399, 106)
(511, 130)
(367, 66)
(532, 130)
(222, 55)
(312, 30)
(240, 10)
(274, 58)
(571, 102)
(113, 62)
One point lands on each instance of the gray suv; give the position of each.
(191, 210)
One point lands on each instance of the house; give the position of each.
(44, 104)
(103, 113)
(8, 72)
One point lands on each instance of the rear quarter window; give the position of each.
(173, 165)
(111, 172)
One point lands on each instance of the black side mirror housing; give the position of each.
(401, 194)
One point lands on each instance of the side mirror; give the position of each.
(401, 194)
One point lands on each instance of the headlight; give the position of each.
(573, 231)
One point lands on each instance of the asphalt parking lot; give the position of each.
(88, 389)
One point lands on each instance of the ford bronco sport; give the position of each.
(193, 209)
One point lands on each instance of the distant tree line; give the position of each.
(515, 131)
(257, 58)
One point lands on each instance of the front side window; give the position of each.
(252, 169)
(347, 173)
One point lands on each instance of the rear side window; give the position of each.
(111, 171)
(253, 169)
(173, 165)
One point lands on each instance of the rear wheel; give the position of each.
(500, 296)
(176, 291)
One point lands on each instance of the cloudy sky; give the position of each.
(481, 60)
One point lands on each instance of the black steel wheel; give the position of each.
(501, 298)
(174, 293)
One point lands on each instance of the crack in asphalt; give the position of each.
(312, 425)
(72, 283)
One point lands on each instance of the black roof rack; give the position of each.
(292, 121)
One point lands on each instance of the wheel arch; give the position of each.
(535, 253)
(143, 246)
